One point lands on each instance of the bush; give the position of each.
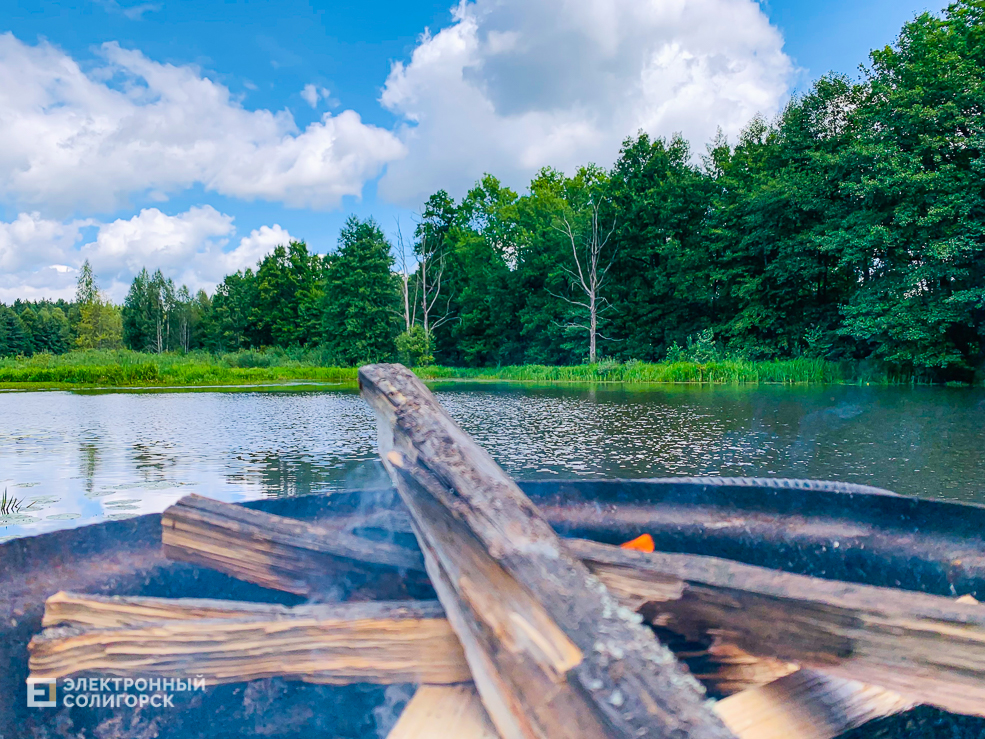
(414, 348)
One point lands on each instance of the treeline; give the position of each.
(851, 228)
(344, 304)
(59, 326)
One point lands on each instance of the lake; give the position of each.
(78, 458)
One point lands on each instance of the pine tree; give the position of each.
(362, 296)
(14, 340)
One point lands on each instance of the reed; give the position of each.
(125, 368)
(791, 371)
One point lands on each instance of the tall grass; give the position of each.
(126, 368)
(790, 371)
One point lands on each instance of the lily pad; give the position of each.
(63, 516)
(100, 493)
(12, 518)
(122, 504)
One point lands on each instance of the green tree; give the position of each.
(916, 245)
(362, 296)
(51, 331)
(100, 324)
(663, 288)
(155, 314)
(289, 294)
(14, 339)
(229, 325)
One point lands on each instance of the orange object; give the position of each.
(642, 543)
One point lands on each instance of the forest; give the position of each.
(851, 228)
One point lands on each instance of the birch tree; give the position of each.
(588, 232)
(405, 253)
(430, 290)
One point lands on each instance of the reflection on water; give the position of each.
(82, 458)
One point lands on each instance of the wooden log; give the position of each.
(926, 647)
(272, 551)
(727, 668)
(637, 580)
(807, 705)
(551, 652)
(226, 641)
(802, 705)
(444, 712)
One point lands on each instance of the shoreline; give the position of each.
(126, 370)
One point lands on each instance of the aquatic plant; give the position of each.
(10, 505)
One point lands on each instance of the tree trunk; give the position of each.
(593, 329)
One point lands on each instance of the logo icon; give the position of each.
(41, 692)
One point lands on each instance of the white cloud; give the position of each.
(71, 140)
(312, 94)
(31, 239)
(39, 258)
(252, 248)
(514, 85)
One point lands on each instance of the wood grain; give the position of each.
(803, 705)
(272, 551)
(807, 705)
(384, 643)
(444, 712)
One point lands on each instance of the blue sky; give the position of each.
(208, 130)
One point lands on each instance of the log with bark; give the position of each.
(110, 623)
(550, 651)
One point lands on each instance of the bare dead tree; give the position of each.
(587, 248)
(404, 254)
(430, 270)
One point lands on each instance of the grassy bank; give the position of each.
(129, 369)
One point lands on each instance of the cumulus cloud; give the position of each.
(39, 258)
(73, 140)
(514, 85)
(312, 94)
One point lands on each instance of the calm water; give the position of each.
(81, 458)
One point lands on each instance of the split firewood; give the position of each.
(550, 651)
(802, 705)
(444, 712)
(926, 647)
(282, 553)
(726, 668)
(807, 705)
(768, 622)
(226, 641)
